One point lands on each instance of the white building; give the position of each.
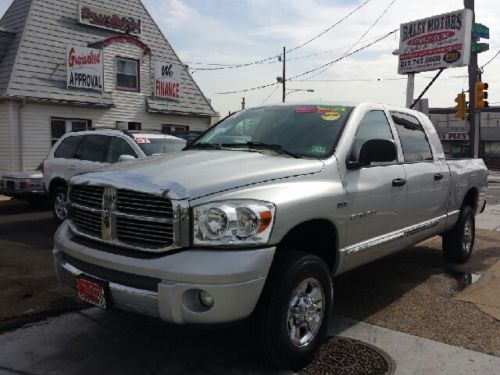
(68, 65)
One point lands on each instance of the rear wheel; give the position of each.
(293, 313)
(59, 210)
(458, 243)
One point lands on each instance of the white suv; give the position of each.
(89, 150)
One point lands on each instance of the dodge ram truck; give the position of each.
(256, 217)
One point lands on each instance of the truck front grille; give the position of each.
(120, 217)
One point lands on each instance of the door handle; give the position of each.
(438, 176)
(398, 182)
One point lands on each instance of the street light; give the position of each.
(291, 91)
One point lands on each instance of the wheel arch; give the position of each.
(56, 182)
(471, 199)
(318, 237)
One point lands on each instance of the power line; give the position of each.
(344, 56)
(315, 69)
(362, 36)
(221, 67)
(490, 60)
(271, 94)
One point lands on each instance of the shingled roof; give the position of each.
(34, 66)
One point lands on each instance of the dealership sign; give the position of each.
(167, 80)
(84, 68)
(442, 41)
(107, 19)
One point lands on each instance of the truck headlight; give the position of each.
(233, 223)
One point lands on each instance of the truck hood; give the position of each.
(197, 173)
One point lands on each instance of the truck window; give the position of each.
(373, 126)
(414, 142)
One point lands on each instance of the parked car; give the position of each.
(27, 186)
(89, 150)
(256, 216)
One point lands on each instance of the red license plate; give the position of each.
(92, 291)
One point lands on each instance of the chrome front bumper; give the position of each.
(168, 287)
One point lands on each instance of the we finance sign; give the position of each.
(85, 68)
(167, 80)
(441, 41)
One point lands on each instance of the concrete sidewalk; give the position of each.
(93, 341)
(489, 219)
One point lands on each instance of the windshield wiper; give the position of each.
(265, 146)
(204, 145)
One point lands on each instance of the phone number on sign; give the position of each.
(420, 61)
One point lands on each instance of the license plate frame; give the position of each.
(94, 291)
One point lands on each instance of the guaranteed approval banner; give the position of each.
(442, 41)
(84, 68)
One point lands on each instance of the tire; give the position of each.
(286, 336)
(458, 243)
(59, 196)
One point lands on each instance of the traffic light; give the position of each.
(461, 106)
(481, 95)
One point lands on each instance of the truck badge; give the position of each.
(108, 203)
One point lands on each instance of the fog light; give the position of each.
(206, 299)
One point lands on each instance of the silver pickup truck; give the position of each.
(256, 216)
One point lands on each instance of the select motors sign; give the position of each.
(436, 42)
(167, 80)
(84, 68)
(106, 19)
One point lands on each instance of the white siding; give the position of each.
(9, 152)
(37, 132)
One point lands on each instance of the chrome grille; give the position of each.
(122, 217)
(87, 221)
(89, 196)
(140, 232)
(133, 202)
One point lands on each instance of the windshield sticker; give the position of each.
(331, 116)
(331, 108)
(325, 109)
(140, 140)
(317, 149)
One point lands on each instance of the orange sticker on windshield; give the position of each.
(331, 116)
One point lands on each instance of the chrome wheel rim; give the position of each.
(60, 206)
(468, 235)
(305, 312)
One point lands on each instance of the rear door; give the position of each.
(427, 177)
(61, 165)
(91, 154)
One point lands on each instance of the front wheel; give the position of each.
(459, 242)
(293, 314)
(59, 203)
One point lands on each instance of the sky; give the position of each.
(225, 32)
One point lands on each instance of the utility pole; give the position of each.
(473, 78)
(243, 103)
(284, 72)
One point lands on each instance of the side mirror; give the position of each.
(375, 151)
(125, 157)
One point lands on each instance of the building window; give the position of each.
(127, 74)
(134, 126)
(171, 129)
(61, 126)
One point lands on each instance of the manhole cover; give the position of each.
(343, 356)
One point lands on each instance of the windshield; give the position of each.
(303, 130)
(159, 144)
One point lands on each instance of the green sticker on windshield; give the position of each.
(318, 149)
(333, 108)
